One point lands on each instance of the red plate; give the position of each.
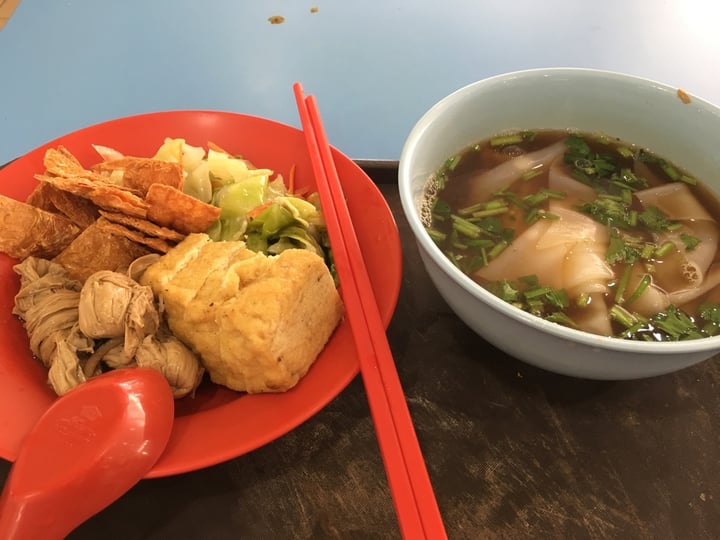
(217, 424)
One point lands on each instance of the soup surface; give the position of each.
(583, 230)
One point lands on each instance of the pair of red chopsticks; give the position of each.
(412, 492)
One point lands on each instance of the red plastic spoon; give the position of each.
(91, 446)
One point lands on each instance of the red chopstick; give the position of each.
(412, 492)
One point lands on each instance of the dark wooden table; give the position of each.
(513, 452)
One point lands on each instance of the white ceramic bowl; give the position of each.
(637, 110)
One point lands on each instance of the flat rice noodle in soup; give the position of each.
(584, 230)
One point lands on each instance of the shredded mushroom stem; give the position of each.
(93, 362)
(66, 370)
(63, 318)
(174, 360)
(47, 303)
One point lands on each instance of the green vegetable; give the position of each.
(441, 210)
(609, 211)
(621, 315)
(655, 220)
(622, 284)
(676, 324)
(691, 242)
(504, 140)
(437, 236)
(664, 250)
(527, 294)
(622, 248)
(642, 286)
(453, 162)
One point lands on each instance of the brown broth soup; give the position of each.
(583, 230)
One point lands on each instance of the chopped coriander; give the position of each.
(647, 253)
(505, 290)
(671, 171)
(441, 210)
(530, 280)
(476, 262)
(479, 243)
(621, 250)
(512, 138)
(468, 210)
(530, 174)
(542, 214)
(622, 284)
(577, 148)
(691, 242)
(481, 207)
(676, 324)
(440, 180)
(647, 157)
(608, 211)
(437, 236)
(504, 140)
(491, 211)
(465, 227)
(623, 316)
(561, 318)
(497, 249)
(655, 219)
(710, 312)
(453, 162)
(664, 250)
(537, 291)
(641, 287)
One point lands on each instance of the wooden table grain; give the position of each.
(513, 452)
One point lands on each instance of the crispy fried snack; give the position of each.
(144, 226)
(87, 221)
(60, 162)
(98, 248)
(153, 242)
(41, 197)
(82, 212)
(102, 193)
(140, 173)
(26, 230)
(172, 208)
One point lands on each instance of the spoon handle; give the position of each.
(90, 447)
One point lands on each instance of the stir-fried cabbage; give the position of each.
(256, 207)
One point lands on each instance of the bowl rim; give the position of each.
(427, 245)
